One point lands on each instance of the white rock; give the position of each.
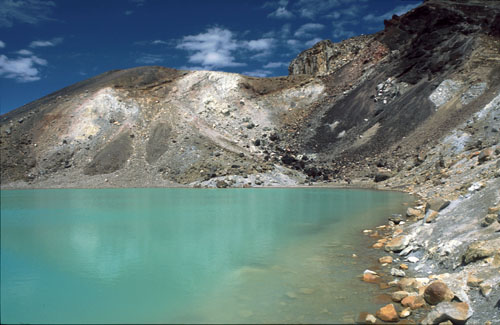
(413, 259)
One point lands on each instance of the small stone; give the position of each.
(405, 312)
(403, 266)
(291, 295)
(399, 295)
(396, 272)
(378, 245)
(385, 259)
(473, 281)
(485, 155)
(437, 292)
(485, 289)
(415, 214)
(431, 216)
(414, 302)
(388, 313)
(413, 259)
(488, 220)
(366, 318)
(371, 319)
(493, 210)
(397, 244)
(406, 284)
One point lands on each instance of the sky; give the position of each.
(48, 45)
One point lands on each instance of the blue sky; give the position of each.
(48, 45)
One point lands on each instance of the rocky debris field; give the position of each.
(415, 108)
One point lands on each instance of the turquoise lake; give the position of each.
(189, 255)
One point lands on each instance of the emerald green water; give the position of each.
(188, 255)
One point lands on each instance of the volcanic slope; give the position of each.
(355, 111)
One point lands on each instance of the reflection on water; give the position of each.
(185, 255)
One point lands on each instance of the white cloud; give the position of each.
(128, 12)
(257, 73)
(281, 12)
(25, 11)
(24, 52)
(159, 42)
(399, 10)
(53, 42)
(23, 69)
(275, 65)
(263, 44)
(150, 59)
(306, 29)
(138, 3)
(2, 45)
(213, 49)
(311, 8)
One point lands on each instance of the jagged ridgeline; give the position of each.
(362, 108)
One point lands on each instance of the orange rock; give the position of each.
(371, 278)
(388, 313)
(385, 259)
(378, 245)
(403, 266)
(432, 216)
(414, 302)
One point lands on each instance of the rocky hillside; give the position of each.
(415, 107)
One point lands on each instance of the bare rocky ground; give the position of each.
(415, 107)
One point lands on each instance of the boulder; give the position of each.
(481, 249)
(456, 312)
(437, 292)
(438, 203)
(397, 244)
(388, 313)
